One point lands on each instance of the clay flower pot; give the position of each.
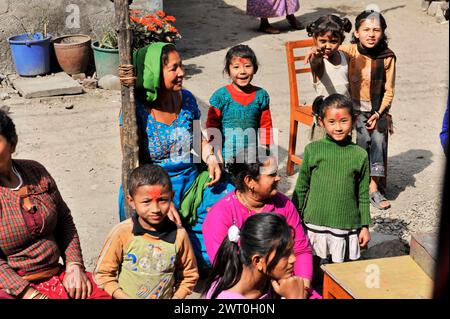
(73, 52)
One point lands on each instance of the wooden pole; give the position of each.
(129, 141)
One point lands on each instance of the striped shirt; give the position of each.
(33, 240)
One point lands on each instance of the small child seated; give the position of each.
(147, 256)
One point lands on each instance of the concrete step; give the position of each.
(50, 85)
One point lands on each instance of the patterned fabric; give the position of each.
(271, 8)
(25, 250)
(237, 119)
(170, 146)
(161, 140)
(147, 264)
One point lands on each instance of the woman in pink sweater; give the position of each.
(255, 177)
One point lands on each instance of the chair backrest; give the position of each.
(304, 111)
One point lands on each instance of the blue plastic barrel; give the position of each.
(31, 56)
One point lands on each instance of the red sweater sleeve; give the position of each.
(266, 123)
(213, 119)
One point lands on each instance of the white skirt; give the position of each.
(327, 241)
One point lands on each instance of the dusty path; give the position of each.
(80, 146)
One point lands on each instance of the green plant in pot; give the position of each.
(106, 53)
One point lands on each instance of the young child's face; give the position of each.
(152, 204)
(327, 44)
(337, 123)
(369, 32)
(241, 71)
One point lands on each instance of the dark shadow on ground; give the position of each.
(403, 167)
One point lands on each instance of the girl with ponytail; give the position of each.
(256, 262)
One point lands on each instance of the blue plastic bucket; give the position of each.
(31, 56)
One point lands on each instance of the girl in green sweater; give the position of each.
(332, 190)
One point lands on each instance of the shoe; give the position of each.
(295, 24)
(268, 29)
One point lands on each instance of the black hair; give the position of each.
(7, 128)
(165, 53)
(261, 234)
(247, 162)
(329, 23)
(240, 51)
(368, 14)
(148, 174)
(338, 101)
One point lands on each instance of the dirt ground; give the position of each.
(80, 145)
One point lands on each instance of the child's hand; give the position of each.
(215, 172)
(173, 214)
(289, 288)
(313, 54)
(364, 237)
(372, 121)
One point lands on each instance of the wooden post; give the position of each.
(129, 141)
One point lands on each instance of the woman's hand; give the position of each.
(372, 121)
(364, 237)
(76, 282)
(173, 214)
(214, 169)
(289, 288)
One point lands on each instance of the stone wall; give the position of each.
(64, 16)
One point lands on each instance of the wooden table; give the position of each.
(384, 278)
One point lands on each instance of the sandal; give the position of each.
(376, 198)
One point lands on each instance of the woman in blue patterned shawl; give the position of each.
(168, 120)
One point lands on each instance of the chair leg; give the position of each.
(293, 127)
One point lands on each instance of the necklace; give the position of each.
(18, 177)
(244, 202)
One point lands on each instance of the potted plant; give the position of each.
(30, 51)
(73, 52)
(106, 53)
(148, 28)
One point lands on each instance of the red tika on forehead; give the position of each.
(337, 116)
(154, 192)
(243, 60)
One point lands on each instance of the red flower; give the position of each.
(134, 19)
(173, 29)
(160, 14)
(170, 19)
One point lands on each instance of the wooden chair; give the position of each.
(298, 113)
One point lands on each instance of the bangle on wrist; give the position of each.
(33, 294)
